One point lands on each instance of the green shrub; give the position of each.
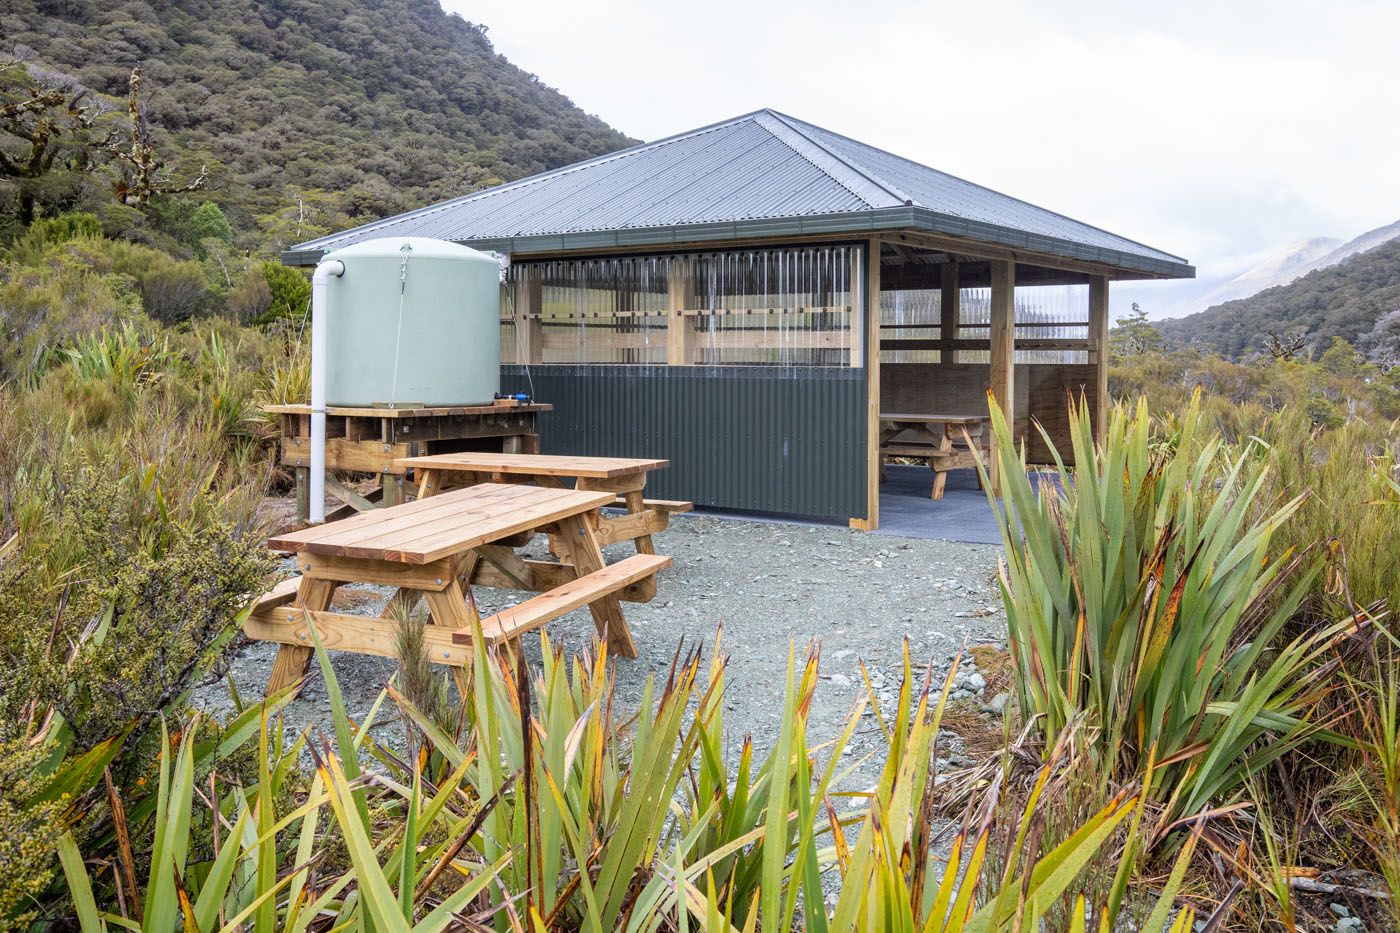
(208, 223)
(172, 290)
(26, 831)
(47, 232)
(49, 306)
(291, 293)
(147, 600)
(250, 296)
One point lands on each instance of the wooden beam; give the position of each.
(529, 330)
(1098, 349)
(1003, 346)
(973, 343)
(343, 632)
(978, 250)
(680, 329)
(871, 344)
(949, 310)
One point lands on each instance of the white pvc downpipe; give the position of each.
(319, 279)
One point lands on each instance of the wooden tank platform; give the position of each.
(369, 440)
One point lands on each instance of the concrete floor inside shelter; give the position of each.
(963, 514)
(906, 511)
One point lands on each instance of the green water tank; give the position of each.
(413, 321)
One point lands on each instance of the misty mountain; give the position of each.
(1355, 296)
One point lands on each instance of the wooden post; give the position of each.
(950, 311)
(303, 475)
(871, 343)
(1002, 365)
(392, 484)
(680, 328)
(1098, 350)
(529, 330)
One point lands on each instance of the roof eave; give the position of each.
(853, 222)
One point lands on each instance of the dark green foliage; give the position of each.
(1348, 300)
(51, 231)
(208, 223)
(381, 106)
(47, 134)
(289, 293)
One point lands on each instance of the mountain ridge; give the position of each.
(363, 109)
(1356, 298)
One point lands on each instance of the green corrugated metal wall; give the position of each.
(756, 438)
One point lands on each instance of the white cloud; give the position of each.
(1217, 131)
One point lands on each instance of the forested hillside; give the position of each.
(306, 114)
(1357, 300)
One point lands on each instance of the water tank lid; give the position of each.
(420, 247)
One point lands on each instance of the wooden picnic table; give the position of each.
(946, 440)
(434, 549)
(624, 477)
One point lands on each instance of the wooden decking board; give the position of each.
(434, 544)
(365, 525)
(421, 532)
(283, 592)
(660, 505)
(383, 524)
(535, 464)
(360, 634)
(418, 509)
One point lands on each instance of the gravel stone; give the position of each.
(770, 588)
(997, 704)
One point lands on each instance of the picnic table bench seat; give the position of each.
(509, 624)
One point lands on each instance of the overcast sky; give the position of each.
(1219, 131)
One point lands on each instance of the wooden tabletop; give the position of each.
(423, 531)
(932, 419)
(369, 411)
(534, 464)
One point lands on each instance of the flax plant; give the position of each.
(240, 886)
(1145, 597)
(579, 807)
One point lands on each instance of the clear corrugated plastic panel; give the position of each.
(767, 307)
(1057, 314)
(777, 307)
(605, 311)
(910, 314)
(1044, 313)
(595, 310)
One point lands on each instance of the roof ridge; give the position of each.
(866, 186)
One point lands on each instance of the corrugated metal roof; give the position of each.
(761, 174)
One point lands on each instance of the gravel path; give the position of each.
(769, 585)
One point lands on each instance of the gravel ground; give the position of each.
(770, 586)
